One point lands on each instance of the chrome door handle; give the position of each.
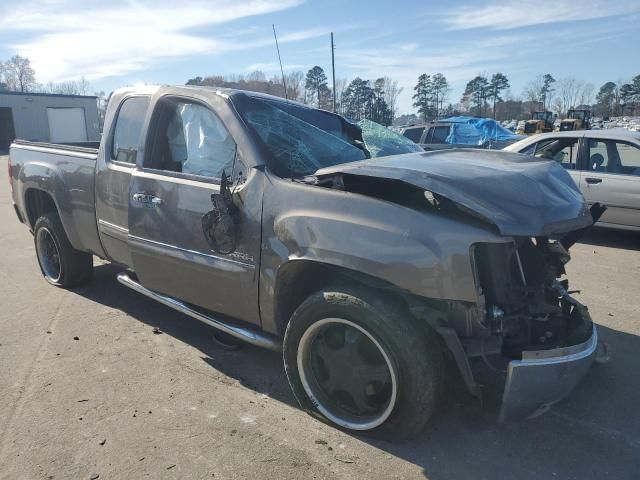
(147, 199)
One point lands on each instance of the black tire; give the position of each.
(413, 353)
(60, 263)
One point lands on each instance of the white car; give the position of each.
(605, 165)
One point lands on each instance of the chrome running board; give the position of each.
(254, 337)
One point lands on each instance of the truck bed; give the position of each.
(62, 173)
(84, 147)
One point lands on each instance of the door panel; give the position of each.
(612, 177)
(170, 251)
(188, 150)
(620, 193)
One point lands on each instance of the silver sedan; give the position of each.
(605, 165)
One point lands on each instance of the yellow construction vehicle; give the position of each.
(541, 122)
(576, 120)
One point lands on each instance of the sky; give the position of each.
(119, 42)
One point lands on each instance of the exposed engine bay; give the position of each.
(527, 301)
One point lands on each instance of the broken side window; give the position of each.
(382, 142)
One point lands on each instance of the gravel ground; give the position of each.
(87, 388)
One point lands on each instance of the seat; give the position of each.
(595, 162)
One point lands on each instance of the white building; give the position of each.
(44, 117)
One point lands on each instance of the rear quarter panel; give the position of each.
(69, 178)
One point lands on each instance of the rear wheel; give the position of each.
(60, 263)
(362, 363)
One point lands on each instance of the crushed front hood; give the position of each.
(520, 195)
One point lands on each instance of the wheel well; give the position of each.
(38, 202)
(299, 279)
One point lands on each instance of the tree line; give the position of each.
(618, 98)
(17, 75)
(548, 93)
(359, 99)
(484, 95)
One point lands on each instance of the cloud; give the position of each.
(163, 14)
(409, 47)
(72, 39)
(523, 13)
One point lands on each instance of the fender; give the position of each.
(426, 254)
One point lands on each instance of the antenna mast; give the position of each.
(284, 83)
(333, 71)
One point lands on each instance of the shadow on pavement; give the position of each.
(607, 237)
(595, 433)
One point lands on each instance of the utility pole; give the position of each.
(333, 71)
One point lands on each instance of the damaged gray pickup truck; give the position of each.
(367, 261)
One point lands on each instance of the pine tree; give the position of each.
(439, 87)
(422, 96)
(546, 90)
(499, 82)
(476, 91)
(606, 98)
(316, 86)
(358, 100)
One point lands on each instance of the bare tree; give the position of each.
(69, 87)
(18, 74)
(84, 87)
(341, 85)
(257, 76)
(391, 93)
(573, 93)
(257, 82)
(102, 101)
(539, 92)
(531, 92)
(568, 90)
(295, 85)
(586, 94)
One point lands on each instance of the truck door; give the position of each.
(116, 162)
(187, 151)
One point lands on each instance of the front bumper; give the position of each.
(545, 377)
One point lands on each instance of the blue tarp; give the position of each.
(477, 131)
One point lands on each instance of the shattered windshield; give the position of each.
(297, 147)
(382, 142)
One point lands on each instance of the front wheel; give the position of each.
(362, 363)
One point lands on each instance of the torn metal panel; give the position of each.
(521, 196)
